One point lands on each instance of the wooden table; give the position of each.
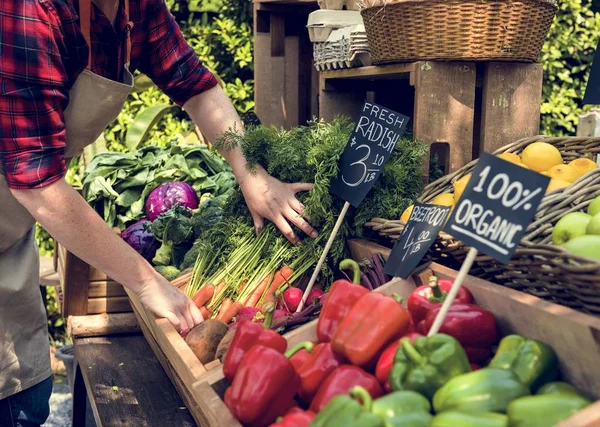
(125, 385)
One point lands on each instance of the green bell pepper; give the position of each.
(462, 419)
(345, 411)
(544, 410)
(427, 364)
(560, 389)
(485, 390)
(534, 362)
(400, 402)
(414, 419)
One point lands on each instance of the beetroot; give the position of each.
(279, 313)
(247, 313)
(291, 298)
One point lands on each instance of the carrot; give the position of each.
(254, 297)
(281, 277)
(227, 302)
(219, 288)
(270, 298)
(206, 313)
(231, 312)
(242, 286)
(203, 295)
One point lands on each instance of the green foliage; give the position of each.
(567, 57)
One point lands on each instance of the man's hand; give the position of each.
(270, 198)
(165, 300)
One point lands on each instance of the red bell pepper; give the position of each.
(321, 362)
(301, 353)
(473, 326)
(374, 322)
(341, 381)
(341, 297)
(386, 361)
(249, 334)
(263, 388)
(426, 297)
(295, 417)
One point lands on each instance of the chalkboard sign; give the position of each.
(373, 140)
(421, 230)
(592, 91)
(496, 207)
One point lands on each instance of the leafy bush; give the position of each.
(567, 57)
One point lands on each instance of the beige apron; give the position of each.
(94, 102)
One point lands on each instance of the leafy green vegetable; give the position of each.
(117, 184)
(171, 228)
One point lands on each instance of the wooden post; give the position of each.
(444, 108)
(512, 95)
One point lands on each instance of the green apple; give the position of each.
(593, 226)
(586, 246)
(594, 207)
(570, 226)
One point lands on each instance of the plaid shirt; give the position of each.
(42, 51)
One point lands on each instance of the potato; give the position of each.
(205, 338)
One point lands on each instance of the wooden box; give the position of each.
(85, 290)
(574, 336)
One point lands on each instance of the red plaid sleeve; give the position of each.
(167, 58)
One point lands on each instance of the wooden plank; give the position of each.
(361, 249)
(100, 289)
(374, 72)
(214, 411)
(143, 395)
(334, 102)
(291, 83)
(444, 108)
(292, 2)
(108, 305)
(97, 275)
(74, 285)
(175, 348)
(512, 95)
(277, 35)
(574, 336)
(103, 324)
(263, 90)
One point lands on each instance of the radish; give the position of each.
(291, 298)
(315, 293)
(247, 313)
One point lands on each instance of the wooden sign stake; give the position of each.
(315, 274)
(460, 277)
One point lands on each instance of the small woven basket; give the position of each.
(469, 30)
(536, 268)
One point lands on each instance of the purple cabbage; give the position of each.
(168, 195)
(141, 240)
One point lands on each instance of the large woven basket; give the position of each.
(537, 268)
(470, 30)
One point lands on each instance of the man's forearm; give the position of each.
(75, 225)
(214, 114)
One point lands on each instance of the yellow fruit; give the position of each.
(563, 172)
(510, 157)
(459, 186)
(444, 199)
(555, 184)
(523, 165)
(406, 214)
(541, 156)
(583, 166)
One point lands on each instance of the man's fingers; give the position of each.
(171, 317)
(258, 222)
(285, 229)
(299, 222)
(296, 205)
(302, 186)
(187, 314)
(195, 313)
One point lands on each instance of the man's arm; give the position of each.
(266, 197)
(73, 223)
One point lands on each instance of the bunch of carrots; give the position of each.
(220, 289)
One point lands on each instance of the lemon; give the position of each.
(406, 214)
(555, 184)
(444, 199)
(563, 172)
(582, 166)
(523, 165)
(541, 156)
(510, 157)
(459, 186)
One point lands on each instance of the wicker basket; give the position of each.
(536, 268)
(499, 30)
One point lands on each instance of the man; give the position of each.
(56, 96)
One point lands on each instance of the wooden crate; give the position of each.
(85, 290)
(574, 336)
